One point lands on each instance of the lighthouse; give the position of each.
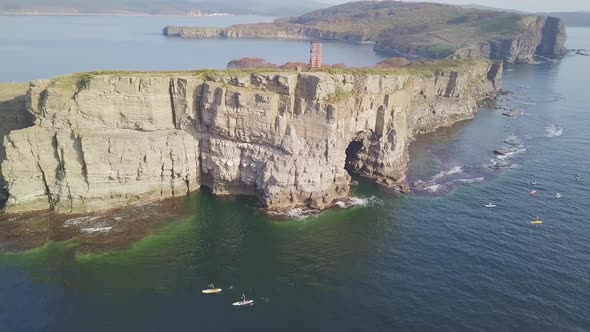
(315, 61)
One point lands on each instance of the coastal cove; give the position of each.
(432, 259)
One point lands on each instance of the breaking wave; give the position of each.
(302, 213)
(513, 151)
(79, 221)
(296, 213)
(553, 131)
(445, 181)
(443, 174)
(91, 230)
(358, 201)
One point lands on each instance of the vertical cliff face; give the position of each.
(538, 36)
(288, 138)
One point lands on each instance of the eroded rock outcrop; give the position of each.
(106, 140)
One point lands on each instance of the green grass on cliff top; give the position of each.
(425, 69)
(9, 91)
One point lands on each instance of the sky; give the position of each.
(523, 5)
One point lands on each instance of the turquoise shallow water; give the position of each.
(433, 260)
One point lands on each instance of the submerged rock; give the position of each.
(513, 113)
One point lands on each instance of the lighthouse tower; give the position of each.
(315, 61)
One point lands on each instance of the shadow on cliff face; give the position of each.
(13, 116)
(357, 153)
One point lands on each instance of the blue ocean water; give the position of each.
(433, 260)
(36, 47)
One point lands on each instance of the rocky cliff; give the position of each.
(407, 29)
(539, 36)
(290, 139)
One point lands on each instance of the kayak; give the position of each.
(241, 303)
(212, 291)
(490, 205)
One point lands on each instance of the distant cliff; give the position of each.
(105, 140)
(412, 29)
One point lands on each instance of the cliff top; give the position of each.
(10, 91)
(421, 68)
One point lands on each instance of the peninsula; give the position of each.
(109, 139)
(411, 29)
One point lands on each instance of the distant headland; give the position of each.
(410, 29)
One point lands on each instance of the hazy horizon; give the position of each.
(521, 5)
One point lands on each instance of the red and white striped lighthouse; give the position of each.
(315, 61)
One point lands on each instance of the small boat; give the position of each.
(533, 192)
(244, 301)
(558, 195)
(490, 205)
(212, 290)
(578, 177)
(533, 183)
(537, 221)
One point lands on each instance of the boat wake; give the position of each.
(553, 131)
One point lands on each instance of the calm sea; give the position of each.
(34, 47)
(435, 260)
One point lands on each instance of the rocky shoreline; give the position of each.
(289, 139)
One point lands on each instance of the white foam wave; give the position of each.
(349, 202)
(473, 180)
(452, 171)
(553, 131)
(434, 188)
(296, 213)
(79, 221)
(90, 230)
(512, 153)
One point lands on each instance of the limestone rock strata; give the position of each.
(539, 36)
(264, 31)
(104, 141)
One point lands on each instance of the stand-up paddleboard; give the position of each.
(243, 302)
(491, 205)
(537, 221)
(212, 291)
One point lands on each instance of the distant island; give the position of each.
(409, 29)
(157, 7)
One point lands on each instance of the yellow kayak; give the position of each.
(212, 291)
